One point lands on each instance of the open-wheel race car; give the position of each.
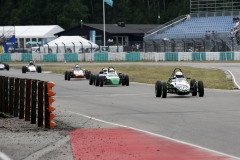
(177, 84)
(108, 76)
(4, 66)
(77, 72)
(31, 68)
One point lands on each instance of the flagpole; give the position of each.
(104, 39)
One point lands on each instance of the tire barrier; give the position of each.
(122, 56)
(50, 57)
(27, 99)
(71, 57)
(226, 56)
(26, 57)
(100, 57)
(133, 56)
(6, 57)
(198, 56)
(171, 56)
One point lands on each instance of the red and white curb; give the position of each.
(92, 144)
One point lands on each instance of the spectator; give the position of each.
(213, 34)
(237, 19)
(137, 46)
(207, 35)
(236, 24)
(188, 17)
(234, 19)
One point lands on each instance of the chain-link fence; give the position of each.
(210, 42)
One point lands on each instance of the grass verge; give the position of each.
(150, 74)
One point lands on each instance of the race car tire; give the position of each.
(66, 75)
(97, 80)
(200, 89)
(39, 69)
(94, 80)
(193, 86)
(87, 74)
(7, 67)
(164, 90)
(123, 79)
(24, 69)
(101, 81)
(91, 79)
(158, 89)
(127, 80)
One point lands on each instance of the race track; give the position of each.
(211, 122)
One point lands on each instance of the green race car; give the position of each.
(108, 76)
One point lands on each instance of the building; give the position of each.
(116, 34)
(24, 34)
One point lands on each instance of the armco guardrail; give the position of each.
(27, 99)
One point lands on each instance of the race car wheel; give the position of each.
(193, 86)
(97, 80)
(66, 75)
(24, 69)
(39, 69)
(7, 67)
(200, 89)
(158, 89)
(94, 79)
(123, 79)
(164, 90)
(87, 74)
(101, 82)
(127, 80)
(91, 79)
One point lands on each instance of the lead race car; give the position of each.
(31, 68)
(77, 72)
(108, 76)
(4, 66)
(177, 84)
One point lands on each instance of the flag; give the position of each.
(109, 2)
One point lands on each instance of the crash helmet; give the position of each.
(31, 63)
(77, 66)
(179, 74)
(111, 70)
(105, 70)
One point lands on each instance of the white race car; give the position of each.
(4, 66)
(177, 84)
(77, 72)
(31, 68)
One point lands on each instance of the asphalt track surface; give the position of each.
(211, 122)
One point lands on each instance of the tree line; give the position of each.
(69, 13)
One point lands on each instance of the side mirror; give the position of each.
(188, 77)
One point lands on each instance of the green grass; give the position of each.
(150, 74)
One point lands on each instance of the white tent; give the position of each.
(37, 33)
(69, 44)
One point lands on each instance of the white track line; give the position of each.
(234, 80)
(158, 135)
(4, 156)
